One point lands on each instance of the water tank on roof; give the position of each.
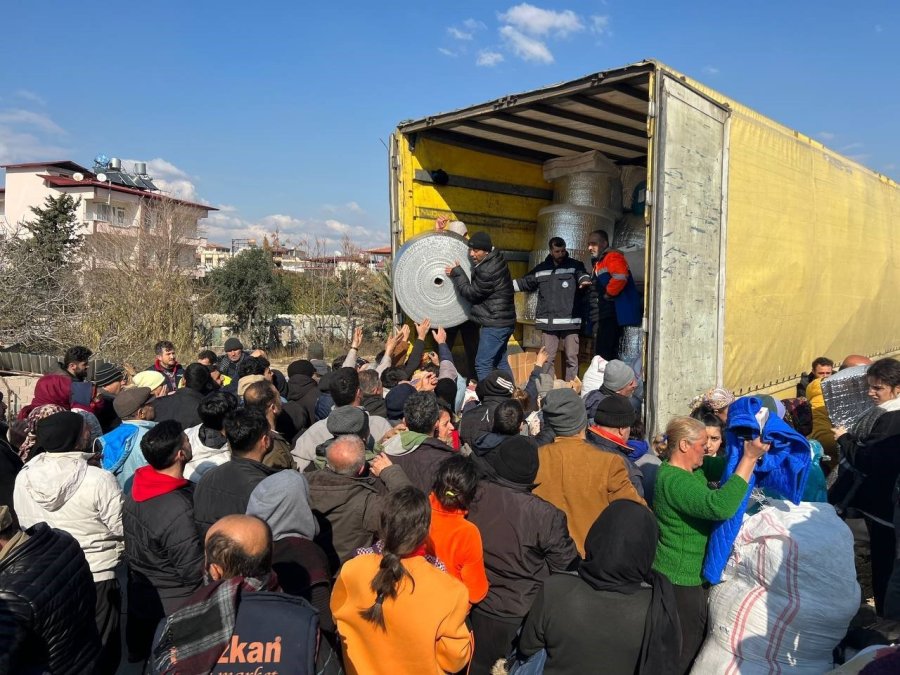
(115, 163)
(140, 168)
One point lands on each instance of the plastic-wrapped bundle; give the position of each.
(631, 176)
(631, 232)
(588, 188)
(421, 286)
(574, 224)
(847, 396)
(631, 345)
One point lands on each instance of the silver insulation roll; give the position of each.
(631, 345)
(574, 224)
(421, 285)
(589, 188)
(630, 232)
(846, 396)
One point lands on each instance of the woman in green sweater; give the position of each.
(686, 511)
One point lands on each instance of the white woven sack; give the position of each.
(788, 594)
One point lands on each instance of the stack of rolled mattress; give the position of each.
(588, 196)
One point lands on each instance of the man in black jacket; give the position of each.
(47, 601)
(524, 538)
(182, 405)
(559, 281)
(302, 396)
(162, 549)
(226, 489)
(492, 391)
(490, 291)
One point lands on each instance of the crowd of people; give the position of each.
(401, 515)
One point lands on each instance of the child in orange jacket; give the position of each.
(455, 541)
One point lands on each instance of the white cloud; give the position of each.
(27, 136)
(600, 24)
(29, 118)
(525, 47)
(826, 135)
(710, 70)
(537, 21)
(473, 25)
(465, 32)
(458, 34)
(29, 96)
(488, 59)
(169, 178)
(353, 207)
(447, 52)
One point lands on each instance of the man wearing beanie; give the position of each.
(618, 378)
(610, 432)
(490, 292)
(59, 487)
(573, 474)
(230, 361)
(492, 391)
(109, 379)
(524, 538)
(302, 396)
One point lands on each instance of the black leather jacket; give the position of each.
(490, 291)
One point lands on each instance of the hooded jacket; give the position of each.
(64, 491)
(558, 285)
(304, 450)
(348, 508)
(48, 599)
(419, 455)
(485, 444)
(303, 394)
(163, 551)
(479, 420)
(122, 454)
(457, 543)
(205, 457)
(524, 539)
(490, 291)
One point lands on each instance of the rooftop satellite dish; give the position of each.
(78, 175)
(102, 177)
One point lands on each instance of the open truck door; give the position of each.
(686, 279)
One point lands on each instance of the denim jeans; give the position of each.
(492, 351)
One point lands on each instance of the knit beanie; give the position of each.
(516, 459)
(498, 383)
(396, 399)
(315, 351)
(617, 375)
(348, 419)
(446, 391)
(615, 412)
(301, 367)
(129, 401)
(107, 373)
(564, 412)
(148, 378)
(481, 241)
(233, 343)
(59, 432)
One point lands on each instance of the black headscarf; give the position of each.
(619, 552)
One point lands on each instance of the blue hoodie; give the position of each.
(122, 450)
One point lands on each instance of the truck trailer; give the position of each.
(764, 248)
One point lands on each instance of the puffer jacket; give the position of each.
(559, 304)
(163, 551)
(122, 454)
(419, 455)
(490, 291)
(348, 508)
(524, 538)
(225, 490)
(48, 599)
(64, 491)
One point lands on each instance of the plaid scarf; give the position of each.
(195, 636)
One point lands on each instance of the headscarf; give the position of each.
(619, 552)
(282, 500)
(38, 413)
(716, 398)
(49, 390)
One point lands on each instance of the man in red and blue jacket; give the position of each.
(619, 301)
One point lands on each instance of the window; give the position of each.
(120, 216)
(114, 215)
(102, 212)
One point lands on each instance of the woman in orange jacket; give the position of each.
(455, 541)
(397, 610)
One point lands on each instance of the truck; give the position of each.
(764, 248)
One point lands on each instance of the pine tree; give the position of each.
(54, 232)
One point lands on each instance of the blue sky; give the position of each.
(275, 112)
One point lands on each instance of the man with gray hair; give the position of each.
(347, 495)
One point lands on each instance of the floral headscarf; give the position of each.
(716, 398)
(36, 414)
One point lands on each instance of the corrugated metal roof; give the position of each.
(606, 111)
